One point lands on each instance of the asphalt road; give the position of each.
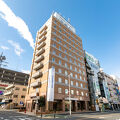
(12, 115)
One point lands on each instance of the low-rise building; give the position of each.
(2, 88)
(13, 77)
(14, 96)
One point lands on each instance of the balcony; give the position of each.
(43, 28)
(35, 84)
(41, 45)
(42, 34)
(38, 59)
(39, 52)
(37, 75)
(38, 66)
(8, 93)
(41, 39)
(9, 87)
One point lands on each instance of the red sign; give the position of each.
(3, 85)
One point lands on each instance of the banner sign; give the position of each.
(51, 82)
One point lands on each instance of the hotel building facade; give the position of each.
(57, 46)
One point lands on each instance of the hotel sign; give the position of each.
(51, 82)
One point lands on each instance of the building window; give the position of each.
(66, 91)
(70, 60)
(72, 92)
(71, 74)
(82, 93)
(54, 52)
(66, 73)
(77, 92)
(80, 78)
(59, 62)
(66, 65)
(86, 94)
(70, 48)
(24, 89)
(54, 45)
(81, 85)
(59, 70)
(22, 96)
(54, 26)
(60, 55)
(60, 80)
(65, 57)
(77, 84)
(59, 90)
(65, 51)
(65, 39)
(53, 59)
(71, 83)
(15, 96)
(17, 88)
(60, 41)
(75, 69)
(54, 38)
(76, 76)
(66, 81)
(65, 45)
(60, 48)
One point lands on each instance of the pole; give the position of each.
(69, 95)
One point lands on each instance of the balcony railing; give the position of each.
(8, 93)
(38, 66)
(39, 59)
(35, 84)
(9, 87)
(43, 33)
(41, 45)
(37, 75)
(41, 39)
(39, 52)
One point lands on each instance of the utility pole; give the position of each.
(2, 60)
(69, 94)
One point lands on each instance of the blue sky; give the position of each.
(97, 22)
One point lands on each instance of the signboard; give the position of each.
(51, 82)
(95, 66)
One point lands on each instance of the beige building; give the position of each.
(58, 46)
(14, 95)
(113, 90)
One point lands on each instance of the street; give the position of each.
(12, 115)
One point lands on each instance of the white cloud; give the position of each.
(18, 50)
(16, 22)
(4, 47)
(25, 71)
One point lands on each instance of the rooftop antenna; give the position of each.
(3, 60)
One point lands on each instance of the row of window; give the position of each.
(72, 82)
(24, 89)
(71, 66)
(72, 92)
(69, 60)
(66, 31)
(67, 52)
(68, 47)
(16, 96)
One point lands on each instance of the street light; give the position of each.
(69, 94)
